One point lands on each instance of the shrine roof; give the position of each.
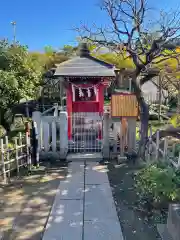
(85, 65)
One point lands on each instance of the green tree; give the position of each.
(20, 76)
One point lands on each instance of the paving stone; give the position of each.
(96, 174)
(163, 232)
(105, 230)
(73, 186)
(65, 221)
(99, 204)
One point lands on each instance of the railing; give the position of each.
(50, 133)
(14, 156)
(163, 149)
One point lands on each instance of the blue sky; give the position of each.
(45, 22)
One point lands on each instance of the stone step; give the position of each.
(80, 157)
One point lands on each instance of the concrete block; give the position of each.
(173, 222)
(96, 174)
(65, 221)
(76, 168)
(105, 230)
(88, 157)
(72, 187)
(163, 232)
(99, 204)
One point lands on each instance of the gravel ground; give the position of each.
(135, 224)
(25, 204)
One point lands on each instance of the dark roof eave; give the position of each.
(79, 76)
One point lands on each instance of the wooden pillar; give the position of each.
(101, 98)
(123, 135)
(101, 106)
(106, 136)
(69, 111)
(131, 133)
(63, 135)
(36, 117)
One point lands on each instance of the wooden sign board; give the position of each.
(124, 105)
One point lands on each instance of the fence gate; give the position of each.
(86, 135)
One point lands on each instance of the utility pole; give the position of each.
(13, 23)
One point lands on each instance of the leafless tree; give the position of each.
(130, 27)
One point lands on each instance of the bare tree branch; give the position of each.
(147, 48)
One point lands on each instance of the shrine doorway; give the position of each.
(86, 132)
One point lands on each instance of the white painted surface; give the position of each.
(106, 124)
(36, 117)
(63, 134)
(54, 136)
(46, 136)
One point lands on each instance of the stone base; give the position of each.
(91, 157)
(121, 159)
(52, 156)
(163, 232)
(171, 230)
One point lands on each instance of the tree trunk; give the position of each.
(160, 99)
(4, 121)
(144, 117)
(178, 105)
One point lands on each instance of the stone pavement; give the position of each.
(84, 208)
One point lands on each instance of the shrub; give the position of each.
(158, 184)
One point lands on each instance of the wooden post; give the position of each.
(46, 136)
(130, 85)
(36, 117)
(34, 144)
(115, 138)
(165, 147)
(20, 141)
(157, 145)
(27, 128)
(150, 131)
(173, 149)
(16, 155)
(106, 135)
(54, 136)
(28, 151)
(121, 138)
(149, 147)
(179, 161)
(27, 109)
(131, 134)
(55, 109)
(7, 154)
(2, 159)
(63, 122)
